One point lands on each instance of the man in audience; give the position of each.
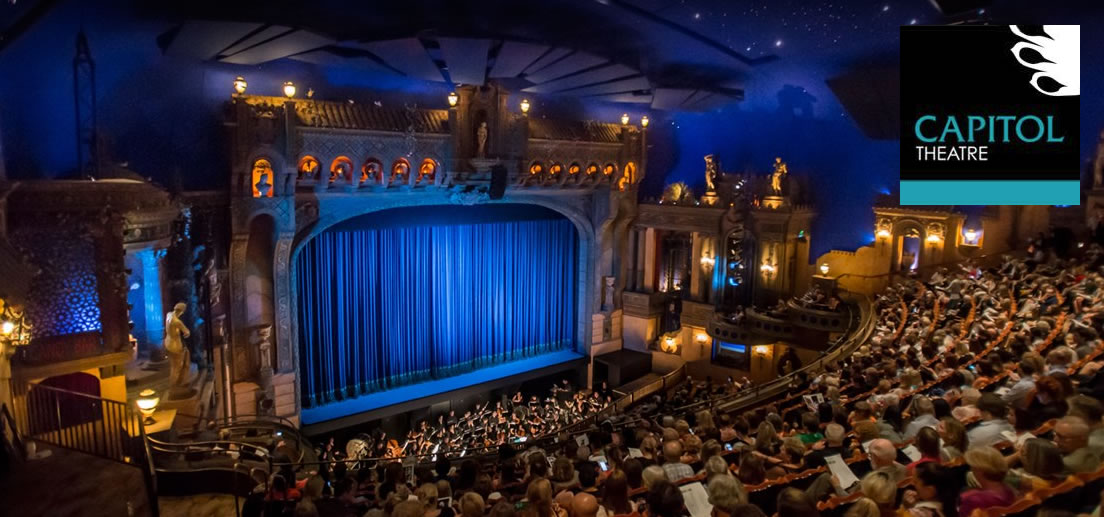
(672, 461)
(883, 457)
(1016, 396)
(993, 427)
(834, 435)
(1071, 435)
(924, 417)
(584, 505)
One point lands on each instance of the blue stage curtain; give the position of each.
(379, 308)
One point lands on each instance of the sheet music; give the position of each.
(839, 468)
(912, 452)
(696, 500)
(635, 453)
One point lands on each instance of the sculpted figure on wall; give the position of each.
(179, 355)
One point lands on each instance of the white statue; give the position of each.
(710, 173)
(778, 175)
(481, 140)
(179, 355)
(607, 299)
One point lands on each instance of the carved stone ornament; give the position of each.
(935, 229)
(884, 225)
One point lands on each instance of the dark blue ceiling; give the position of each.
(159, 106)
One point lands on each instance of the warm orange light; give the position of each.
(525, 105)
(289, 89)
(624, 119)
(453, 99)
(644, 121)
(240, 84)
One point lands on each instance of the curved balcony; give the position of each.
(816, 319)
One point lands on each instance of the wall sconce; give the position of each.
(701, 337)
(525, 106)
(240, 84)
(147, 405)
(453, 99)
(824, 269)
(644, 121)
(14, 329)
(289, 89)
(624, 119)
(707, 261)
(768, 269)
(883, 234)
(761, 350)
(934, 239)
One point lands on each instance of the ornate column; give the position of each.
(282, 286)
(151, 296)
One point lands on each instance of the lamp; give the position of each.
(525, 105)
(644, 121)
(147, 405)
(767, 268)
(971, 236)
(701, 337)
(240, 84)
(6, 328)
(624, 119)
(708, 261)
(933, 238)
(761, 350)
(883, 234)
(824, 269)
(453, 99)
(289, 89)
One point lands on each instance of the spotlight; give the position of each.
(453, 99)
(240, 84)
(525, 105)
(289, 89)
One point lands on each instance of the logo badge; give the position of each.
(990, 115)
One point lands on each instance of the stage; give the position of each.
(383, 404)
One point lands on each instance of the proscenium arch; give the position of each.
(585, 292)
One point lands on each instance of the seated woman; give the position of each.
(1041, 466)
(751, 471)
(790, 459)
(955, 441)
(927, 442)
(934, 493)
(1048, 401)
(989, 469)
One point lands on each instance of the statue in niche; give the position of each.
(778, 175)
(481, 140)
(264, 347)
(711, 169)
(262, 185)
(179, 355)
(607, 299)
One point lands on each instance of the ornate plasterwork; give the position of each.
(935, 230)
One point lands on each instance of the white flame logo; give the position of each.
(1061, 53)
